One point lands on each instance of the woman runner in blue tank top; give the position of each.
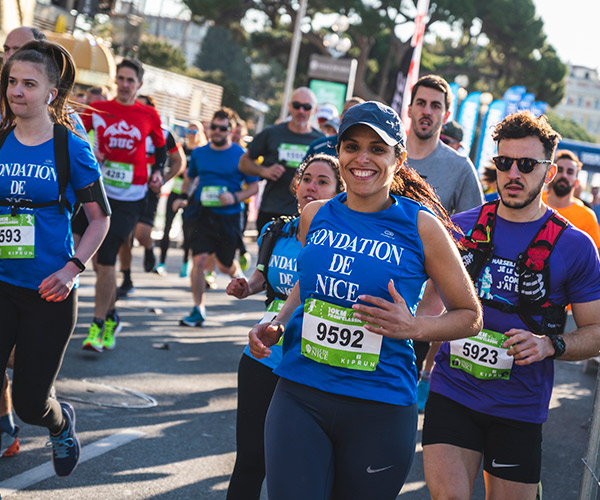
(318, 178)
(38, 265)
(342, 421)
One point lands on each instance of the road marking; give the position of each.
(88, 452)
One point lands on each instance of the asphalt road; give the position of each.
(156, 417)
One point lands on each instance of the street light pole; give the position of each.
(293, 61)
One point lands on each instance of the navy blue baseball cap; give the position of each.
(381, 118)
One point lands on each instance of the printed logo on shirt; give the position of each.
(122, 136)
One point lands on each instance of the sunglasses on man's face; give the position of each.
(191, 131)
(222, 128)
(525, 165)
(304, 105)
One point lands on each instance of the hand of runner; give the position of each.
(274, 172)
(57, 286)
(391, 319)
(262, 336)
(238, 288)
(179, 203)
(227, 198)
(526, 347)
(156, 181)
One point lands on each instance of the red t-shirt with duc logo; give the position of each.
(120, 138)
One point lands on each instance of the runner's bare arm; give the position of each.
(463, 317)
(249, 166)
(581, 343)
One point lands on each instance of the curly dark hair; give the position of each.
(332, 161)
(525, 124)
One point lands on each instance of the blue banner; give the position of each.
(454, 102)
(487, 146)
(526, 102)
(538, 108)
(512, 97)
(467, 118)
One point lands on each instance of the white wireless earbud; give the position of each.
(49, 98)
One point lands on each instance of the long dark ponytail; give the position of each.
(408, 183)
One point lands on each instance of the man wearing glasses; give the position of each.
(561, 195)
(283, 147)
(217, 225)
(490, 394)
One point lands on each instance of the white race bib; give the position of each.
(117, 174)
(332, 335)
(482, 356)
(17, 236)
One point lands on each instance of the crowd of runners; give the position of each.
(392, 286)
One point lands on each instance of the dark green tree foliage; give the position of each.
(160, 53)
(220, 52)
(509, 48)
(568, 128)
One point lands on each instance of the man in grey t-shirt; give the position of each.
(451, 175)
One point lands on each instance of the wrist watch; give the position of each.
(559, 346)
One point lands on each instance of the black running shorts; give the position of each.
(216, 233)
(125, 215)
(512, 449)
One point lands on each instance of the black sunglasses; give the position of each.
(525, 165)
(222, 128)
(304, 105)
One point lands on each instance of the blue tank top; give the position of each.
(348, 254)
(282, 276)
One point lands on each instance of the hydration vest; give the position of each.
(272, 233)
(63, 172)
(532, 268)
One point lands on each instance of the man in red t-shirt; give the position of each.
(120, 128)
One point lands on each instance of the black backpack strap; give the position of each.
(63, 164)
(4, 134)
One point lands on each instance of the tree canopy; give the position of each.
(497, 43)
(160, 53)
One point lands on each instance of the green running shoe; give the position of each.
(112, 327)
(93, 342)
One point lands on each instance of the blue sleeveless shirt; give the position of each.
(347, 254)
(282, 276)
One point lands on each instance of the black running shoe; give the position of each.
(65, 446)
(125, 289)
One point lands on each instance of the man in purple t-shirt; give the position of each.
(490, 394)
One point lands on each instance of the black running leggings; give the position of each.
(40, 332)
(324, 446)
(165, 242)
(256, 383)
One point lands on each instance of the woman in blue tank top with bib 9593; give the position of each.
(343, 418)
(39, 184)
